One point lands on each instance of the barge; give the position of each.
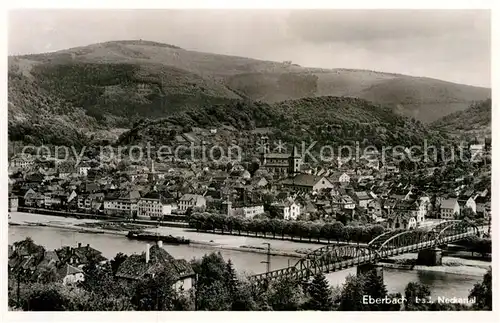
(146, 236)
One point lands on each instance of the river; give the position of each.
(440, 283)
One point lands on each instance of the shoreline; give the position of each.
(456, 270)
(195, 243)
(466, 268)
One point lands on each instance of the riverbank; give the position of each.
(450, 265)
(196, 243)
(210, 241)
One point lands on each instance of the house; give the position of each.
(374, 209)
(449, 208)
(33, 199)
(65, 170)
(154, 261)
(188, 201)
(362, 199)
(83, 169)
(476, 151)
(401, 221)
(22, 161)
(391, 168)
(307, 183)
(90, 187)
(248, 211)
(50, 259)
(308, 208)
(245, 175)
(13, 203)
(80, 255)
(412, 208)
(154, 206)
(25, 254)
(123, 204)
(467, 200)
(55, 199)
(340, 177)
(481, 202)
(259, 181)
(220, 176)
(90, 202)
(289, 209)
(70, 274)
(344, 202)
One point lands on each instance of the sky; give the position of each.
(452, 45)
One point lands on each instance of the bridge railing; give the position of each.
(333, 257)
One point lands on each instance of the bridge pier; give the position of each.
(367, 268)
(430, 257)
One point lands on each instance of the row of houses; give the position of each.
(68, 263)
(115, 203)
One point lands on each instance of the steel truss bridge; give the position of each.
(336, 257)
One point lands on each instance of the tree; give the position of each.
(212, 292)
(326, 231)
(337, 231)
(211, 269)
(45, 298)
(98, 278)
(467, 214)
(244, 298)
(213, 297)
(253, 167)
(417, 296)
(314, 232)
(238, 224)
(483, 293)
(231, 279)
(375, 287)
(285, 295)
(305, 229)
(351, 297)
(117, 261)
(46, 275)
(154, 293)
(320, 295)
(376, 230)
(183, 301)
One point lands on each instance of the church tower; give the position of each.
(294, 162)
(264, 149)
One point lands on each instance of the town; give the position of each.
(268, 185)
(277, 194)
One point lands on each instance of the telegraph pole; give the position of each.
(268, 261)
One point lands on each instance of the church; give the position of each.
(281, 165)
(287, 167)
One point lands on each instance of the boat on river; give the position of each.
(147, 236)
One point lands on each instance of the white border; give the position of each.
(252, 316)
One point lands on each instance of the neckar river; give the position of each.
(440, 283)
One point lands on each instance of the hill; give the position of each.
(474, 121)
(333, 121)
(38, 117)
(62, 97)
(120, 81)
(422, 98)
